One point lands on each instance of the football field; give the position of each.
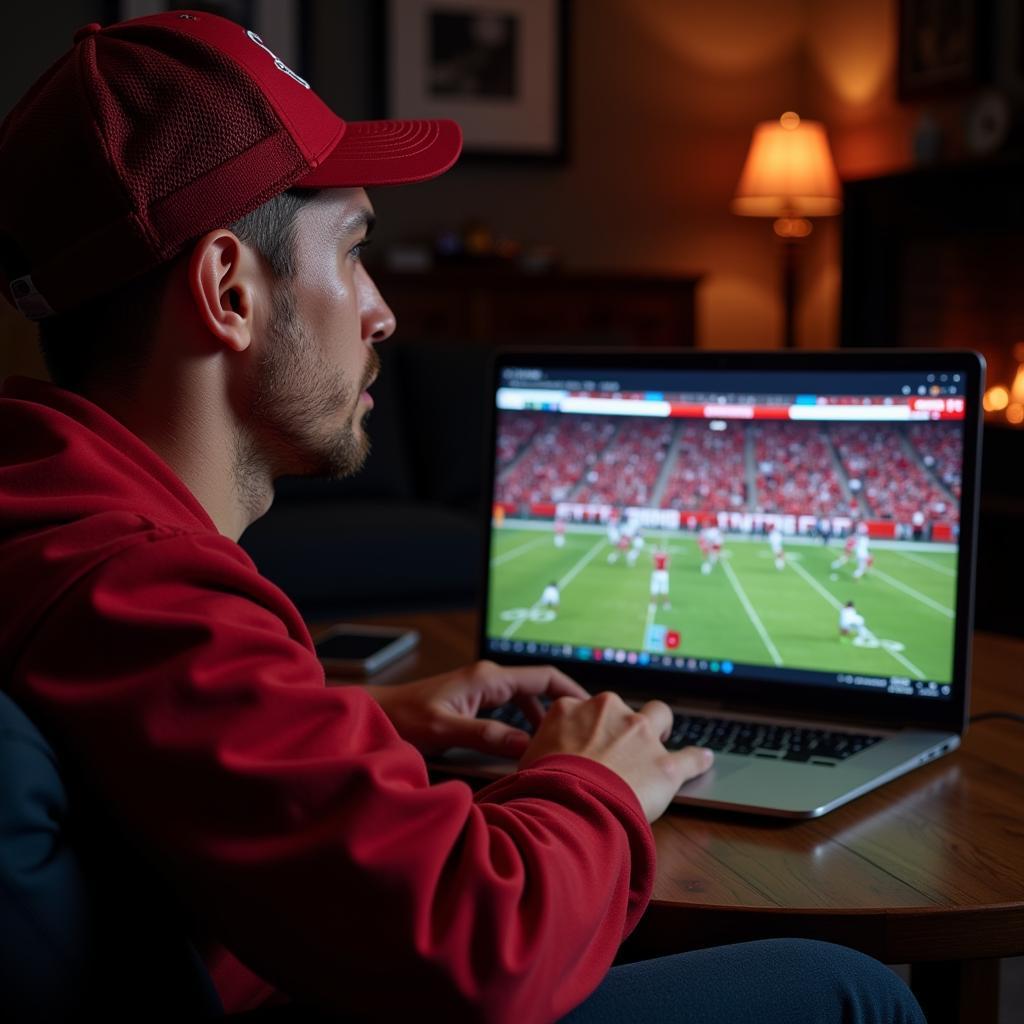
(745, 610)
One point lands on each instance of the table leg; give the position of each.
(957, 991)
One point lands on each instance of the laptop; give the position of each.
(781, 546)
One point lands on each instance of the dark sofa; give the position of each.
(404, 532)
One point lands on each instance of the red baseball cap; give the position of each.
(150, 132)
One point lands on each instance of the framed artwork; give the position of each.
(498, 67)
(279, 23)
(1008, 72)
(945, 47)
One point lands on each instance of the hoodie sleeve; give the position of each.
(302, 828)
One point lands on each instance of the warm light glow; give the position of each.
(853, 46)
(996, 399)
(1017, 387)
(789, 172)
(793, 227)
(1015, 413)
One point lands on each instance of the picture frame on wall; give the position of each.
(1008, 70)
(279, 23)
(945, 47)
(497, 67)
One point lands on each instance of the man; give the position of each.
(549, 598)
(659, 579)
(615, 535)
(559, 532)
(185, 218)
(825, 529)
(710, 548)
(848, 549)
(775, 543)
(851, 622)
(862, 550)
(636, 542)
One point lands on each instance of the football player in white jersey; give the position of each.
(710, 548)
(851, 622)
(775, 542)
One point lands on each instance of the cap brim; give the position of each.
(387, 153)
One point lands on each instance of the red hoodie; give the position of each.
(296, 822)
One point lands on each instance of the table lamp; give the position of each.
(789, 174)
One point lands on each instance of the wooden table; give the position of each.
(927, 871)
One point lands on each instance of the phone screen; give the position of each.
(352, 646)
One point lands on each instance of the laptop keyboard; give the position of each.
(826, 747)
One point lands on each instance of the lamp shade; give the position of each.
(789, 172)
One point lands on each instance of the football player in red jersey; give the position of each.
(659, 579)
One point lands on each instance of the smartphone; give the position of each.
(363, 650)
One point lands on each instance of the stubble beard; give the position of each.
(294, 392)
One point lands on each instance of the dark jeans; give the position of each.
(775, 981)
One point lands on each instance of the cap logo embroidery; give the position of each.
(278, 63)
(29, 299)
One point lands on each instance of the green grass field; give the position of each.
(745, 610)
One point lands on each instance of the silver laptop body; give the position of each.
(779, 545)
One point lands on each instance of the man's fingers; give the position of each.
(538, 679)
(485, 735)
(543, 679)
(660, 715)
(691, 762)
(531, 707)
(496, 738)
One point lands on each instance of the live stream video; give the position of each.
(807, 535)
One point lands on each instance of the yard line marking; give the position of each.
(817, 586)
(650, 622)
(801, 571)
(516, 552)
(927, 564)
(923, 598)
(751, 614)
(512, 627)
(904, 661)
(563, 582)
(580, 565)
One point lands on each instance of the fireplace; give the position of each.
(934, 258)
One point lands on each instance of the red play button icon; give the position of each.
(672, 639)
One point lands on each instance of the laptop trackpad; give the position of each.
(721, 769)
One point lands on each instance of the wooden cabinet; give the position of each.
(504, 307)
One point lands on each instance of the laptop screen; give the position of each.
(798, 525)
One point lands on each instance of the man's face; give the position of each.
(316, 357)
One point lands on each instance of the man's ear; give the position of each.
(222, 277)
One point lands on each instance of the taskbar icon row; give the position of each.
(617, 655)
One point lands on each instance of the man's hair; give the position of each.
(108, 341)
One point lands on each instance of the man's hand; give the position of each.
(630, 743)
(438, 713)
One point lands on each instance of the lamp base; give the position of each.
(791, 246)
(793, 227)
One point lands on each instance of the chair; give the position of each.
(85, 929)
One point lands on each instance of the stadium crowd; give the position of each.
(885, 471)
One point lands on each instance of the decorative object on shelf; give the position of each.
(790, 175)
(927, 140)
(477, 239)
(945, 47)
(279, 23)
(987, 122)
(408, 257)
(497, 69)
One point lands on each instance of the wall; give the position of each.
(665, 94)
